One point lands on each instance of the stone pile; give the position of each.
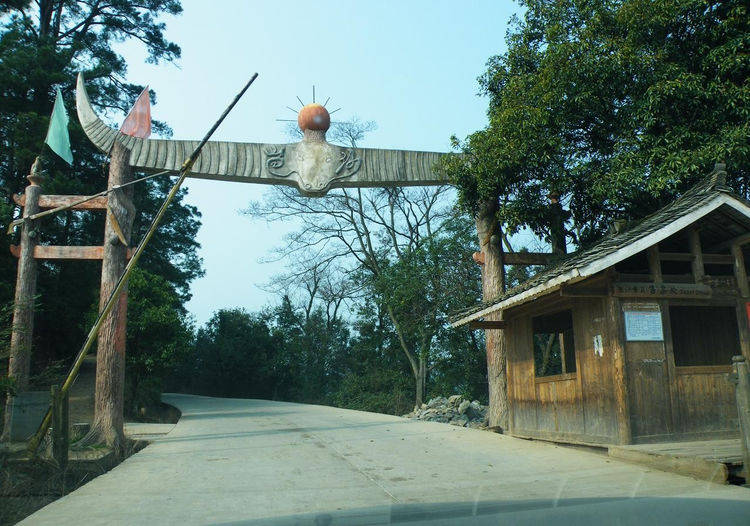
(454, 410)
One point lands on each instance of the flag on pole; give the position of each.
(138, 121)
(57, 135)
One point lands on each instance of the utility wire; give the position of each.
(22, 220)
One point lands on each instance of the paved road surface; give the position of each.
(232, 461)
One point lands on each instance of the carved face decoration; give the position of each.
(314, 117)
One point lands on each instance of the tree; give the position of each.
(366, 231)
(615, 107)
(235, 356)
(160, 340)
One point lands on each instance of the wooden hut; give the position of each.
(631, 340)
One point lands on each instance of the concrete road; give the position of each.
(259, 462)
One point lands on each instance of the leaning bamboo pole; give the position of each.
(114, 296)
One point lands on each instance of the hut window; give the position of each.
(704, 335)
(554, 348)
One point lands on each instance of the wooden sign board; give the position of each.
(643, 322)
(661, 290)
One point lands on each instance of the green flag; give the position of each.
(57, 135)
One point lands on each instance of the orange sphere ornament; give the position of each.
(314, 117)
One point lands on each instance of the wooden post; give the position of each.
(616, 340)
(740, 274)
(60, 427)
(493, 285)
(697, 253)
(654, 264)
(23, 308)
(110, 357)
(742, 383)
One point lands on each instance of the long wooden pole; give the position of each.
(113, 298)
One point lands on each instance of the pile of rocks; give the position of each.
(455, 410)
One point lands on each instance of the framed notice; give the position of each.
(643, 322)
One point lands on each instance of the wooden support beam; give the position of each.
(54, 201)
(709, 259)
(742, 394)
(527, 258)
(695, 249)
(577, 292)
(615, 344)
(744, 239)
(22, 328)
(517, 258)
(654, 264)
(65, 252)
(740, 274)
(487, 324)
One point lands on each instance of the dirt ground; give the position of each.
(26, 487)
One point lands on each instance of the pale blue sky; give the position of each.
(411, 66)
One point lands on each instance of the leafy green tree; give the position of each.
(234, 356)
(159, 340)
(616, 106)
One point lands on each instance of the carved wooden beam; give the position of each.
(65, 252)
(54, 201)
(313, 166)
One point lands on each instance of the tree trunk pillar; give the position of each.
(22, 331)
(110, 355)
(557, 226)
(493, 285)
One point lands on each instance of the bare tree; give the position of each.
(365, 230)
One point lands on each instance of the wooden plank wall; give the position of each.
(578, 408)
(596, 372)
(521, 391)
(648, 389)
(705, 404)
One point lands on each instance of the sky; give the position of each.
(411, 66)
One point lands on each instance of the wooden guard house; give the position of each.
(631, 340)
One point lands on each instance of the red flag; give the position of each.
(138, 121)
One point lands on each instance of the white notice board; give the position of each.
(643, 323)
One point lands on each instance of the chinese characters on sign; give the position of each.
(643, 323)
(664, 290)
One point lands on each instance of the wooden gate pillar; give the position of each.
(23, 308)
(493, 284)
(110, 354)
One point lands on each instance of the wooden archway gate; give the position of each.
(312, 165)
